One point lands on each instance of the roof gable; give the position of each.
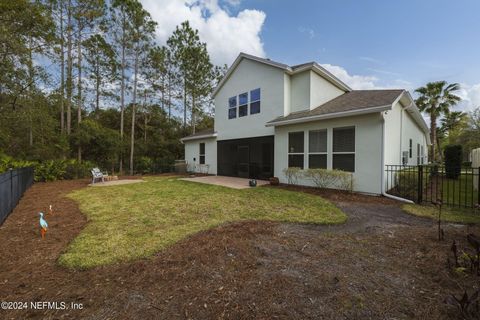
(287, 69)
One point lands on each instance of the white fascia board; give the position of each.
(331, 116)
(416, 114)
(237, 62)
(204, 136)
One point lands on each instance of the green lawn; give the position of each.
(459, 215)
(127, 222)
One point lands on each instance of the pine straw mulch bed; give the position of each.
(243, 270)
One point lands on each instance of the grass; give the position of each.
(449, 214)
(128, 222)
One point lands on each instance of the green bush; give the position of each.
(453, 161)
(407, 184)
(50, 170)
(292, 174)
(324, 178)
(144, 165)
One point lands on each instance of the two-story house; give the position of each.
(270, 116)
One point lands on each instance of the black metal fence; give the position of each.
(457, 187)
(13, 184)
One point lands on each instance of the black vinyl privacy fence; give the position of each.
(13, 184)
(454, 186)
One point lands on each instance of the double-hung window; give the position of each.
(343, 157)
(419, 156)
(317, 149)
(243, 104)
(255, 101)
(232, 107)
(295, 149)
(202, 153)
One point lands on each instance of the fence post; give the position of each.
(420, 184)
(478, 185)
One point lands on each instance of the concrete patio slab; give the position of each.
(230, 182)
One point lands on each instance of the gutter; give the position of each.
(382, 174)
(330, 116)
(205, 136)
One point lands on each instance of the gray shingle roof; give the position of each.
(200, 133)
(349, 101)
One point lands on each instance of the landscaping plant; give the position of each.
(292, 174)
(453, 161)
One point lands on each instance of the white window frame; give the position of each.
(252, 101)
(345, 152)
(229, 108)
(317, 153)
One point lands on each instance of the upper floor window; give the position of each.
(344, 149)
(255, 101)
(410, 146)
(317, 149)
(243, 104)
(232, 107)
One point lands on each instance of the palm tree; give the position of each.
(436, 98)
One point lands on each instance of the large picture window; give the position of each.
(243, 105)
(202, 153)
(317, 149)
(296, 149)
(343, 157)
(232, 107)
(255, 101)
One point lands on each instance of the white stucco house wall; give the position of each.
(270, 116)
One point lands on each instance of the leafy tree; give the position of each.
(101, 65)
(436, 98)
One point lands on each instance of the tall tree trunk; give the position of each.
(79, 88)
(97, 91)
(145, 120)
(62, 72)
(193, 113)
(122, 92)
(433, 135)
(184, 104)
(69, 67)
(134, 102)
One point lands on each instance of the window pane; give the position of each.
(295, 142)
(345, 162)
(344, 139)
(255, 95)
(232, 113)
(295, 160)
(317, 141)
(202, 159)
(317, 161)
(255, 107)
(202, 148)
(243, 111)
(243, 98)
(232, 102)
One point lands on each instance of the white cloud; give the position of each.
(226, 35)
(470, 95)
(357, 82)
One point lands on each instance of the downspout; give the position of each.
(382, 175)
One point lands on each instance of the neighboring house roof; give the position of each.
(288, 69)
(357, 101)
(203, 134)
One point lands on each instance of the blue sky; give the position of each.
(414, 40)
(367, 43)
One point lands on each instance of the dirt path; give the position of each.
(382, 264)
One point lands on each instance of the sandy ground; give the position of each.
(382, 264)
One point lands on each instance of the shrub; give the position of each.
(453, 161)
(144, 165)
(407, 184)
(292, 174)
(324, 178)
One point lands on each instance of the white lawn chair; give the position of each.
(98, 175)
